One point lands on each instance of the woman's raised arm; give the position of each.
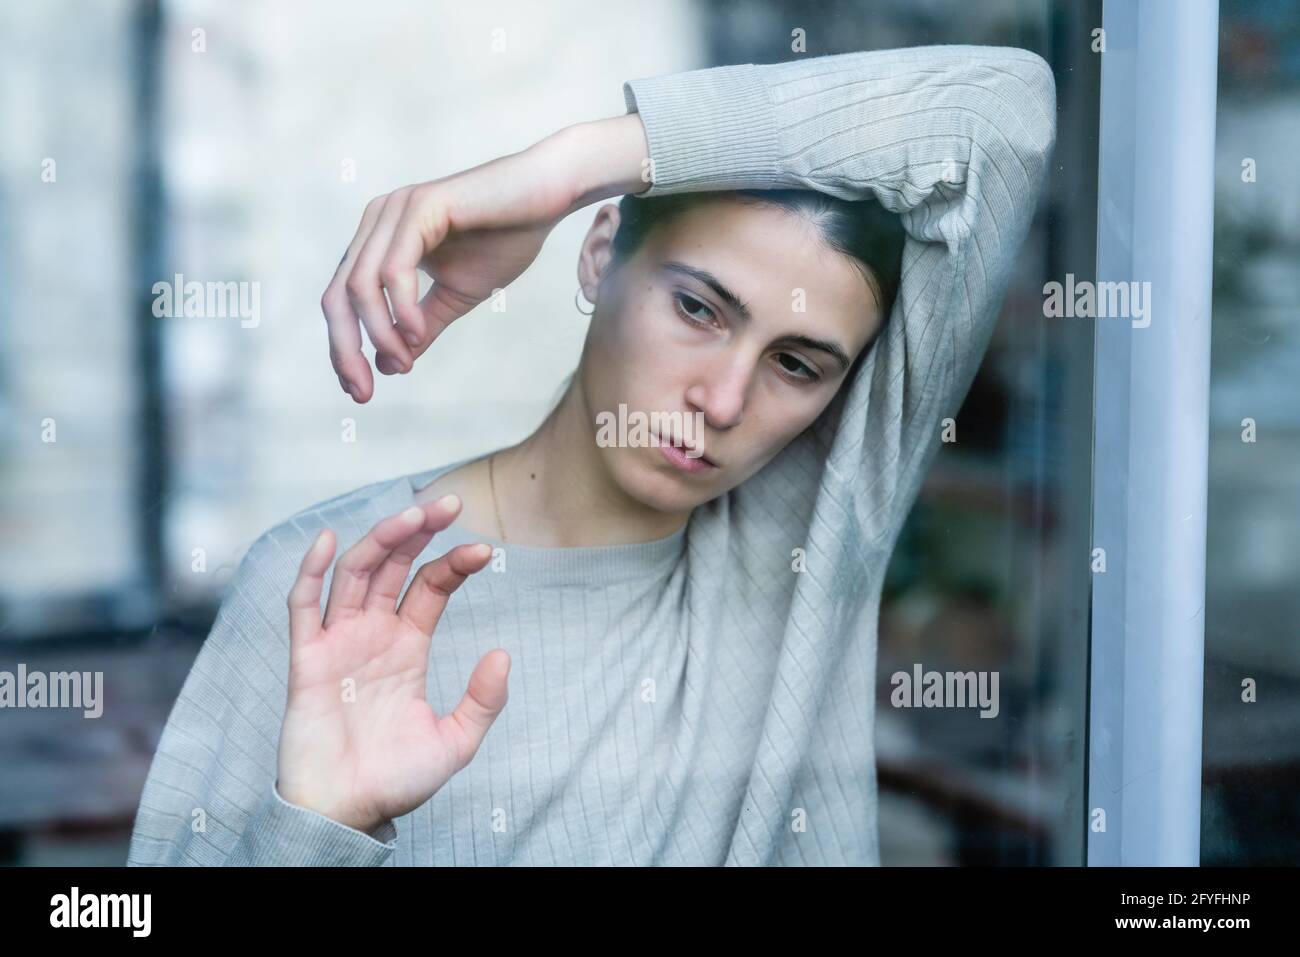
(955, 139)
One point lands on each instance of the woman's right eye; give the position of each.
(692, 310)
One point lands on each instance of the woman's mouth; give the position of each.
(686, 463)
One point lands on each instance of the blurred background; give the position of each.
(140, 455)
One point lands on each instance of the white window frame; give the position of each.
(1155, 222)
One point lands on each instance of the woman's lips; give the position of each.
(684, 462)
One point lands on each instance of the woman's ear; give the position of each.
(596, 256)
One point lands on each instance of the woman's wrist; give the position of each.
(366, 825)
(604, 158)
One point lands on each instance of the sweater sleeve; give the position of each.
(210, 797)
(955, 140)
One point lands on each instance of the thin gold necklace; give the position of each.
(493, 484)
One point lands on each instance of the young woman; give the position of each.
(671, 652)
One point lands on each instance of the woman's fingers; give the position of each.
(366, 292)
(352, 572)
(386, 583)
(421, 228)
(435, 581)
(344, 327)
(304, 596)
(483, 700)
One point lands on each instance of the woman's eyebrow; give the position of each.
(712, 281)
(833, 349)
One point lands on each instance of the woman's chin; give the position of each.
(652, 480)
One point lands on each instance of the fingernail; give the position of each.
(451, 502)
(412, 339)
(385, 364)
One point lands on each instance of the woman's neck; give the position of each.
(553, 490)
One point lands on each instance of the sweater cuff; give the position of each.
(281, 834)
(710, 129)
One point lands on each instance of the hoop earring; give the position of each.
(577, 305)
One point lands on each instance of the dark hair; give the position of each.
(862, 229)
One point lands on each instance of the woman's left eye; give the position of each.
(797, 369)
(701, 317)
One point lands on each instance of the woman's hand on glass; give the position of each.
(359, 742)
(473, 233)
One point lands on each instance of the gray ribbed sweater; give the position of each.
(690, 700)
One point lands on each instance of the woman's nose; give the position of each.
(721, 389)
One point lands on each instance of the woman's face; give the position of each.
(736, 315)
